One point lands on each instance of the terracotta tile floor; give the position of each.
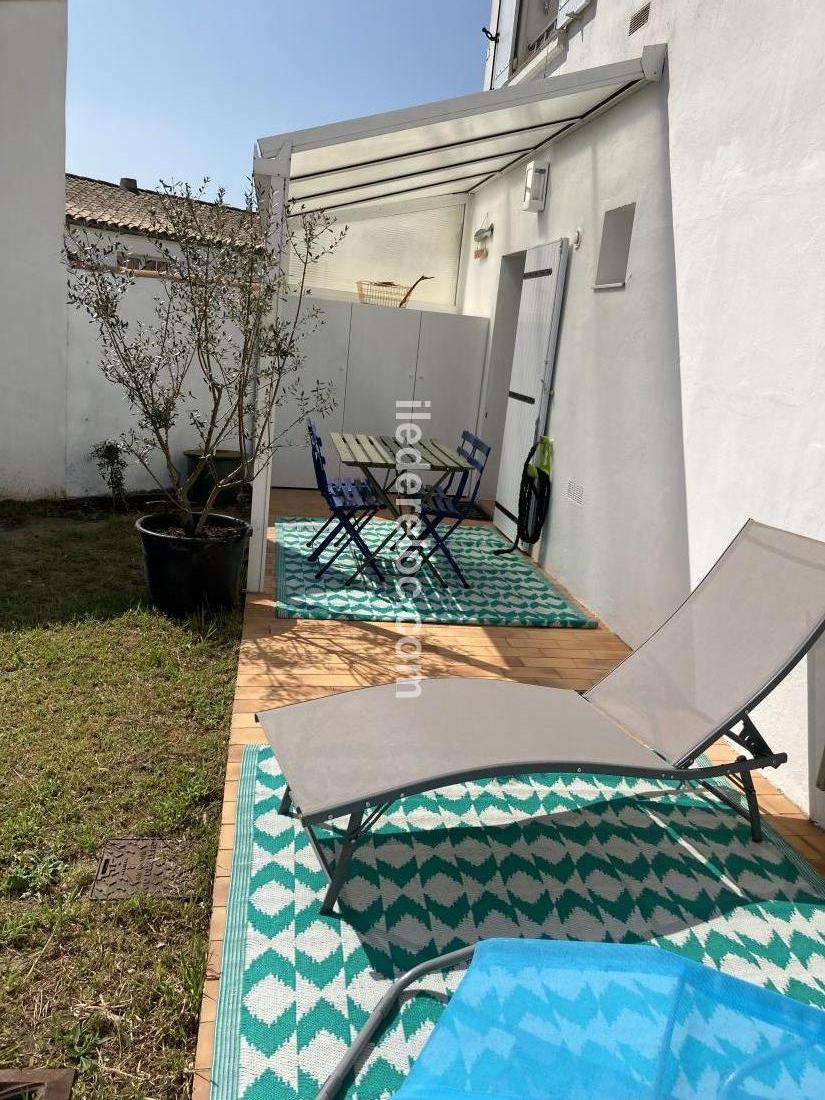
(287, 660)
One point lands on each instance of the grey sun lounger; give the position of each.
(695, 680)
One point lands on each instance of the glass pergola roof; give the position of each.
(452, 147)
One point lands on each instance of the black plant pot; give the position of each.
(187, 574)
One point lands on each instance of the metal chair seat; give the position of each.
(436, 500)
(352, 494)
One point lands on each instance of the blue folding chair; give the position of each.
(444, 507)
(352, 504)
(533, 1019)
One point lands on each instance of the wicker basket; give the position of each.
(382, 294)
(387, 294)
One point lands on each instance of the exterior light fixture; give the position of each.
(481, 236)
(536, 177)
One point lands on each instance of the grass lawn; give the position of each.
(114, 722)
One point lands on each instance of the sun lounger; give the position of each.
(694, 681)
(538, 1018)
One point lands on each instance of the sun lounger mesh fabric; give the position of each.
(756, 608)
(538, 1019)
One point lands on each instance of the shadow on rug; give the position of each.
(615, 860)
(505, 591)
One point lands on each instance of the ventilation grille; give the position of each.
(575, 492)
(638, 19)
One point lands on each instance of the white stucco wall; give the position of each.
(746, 143)
(748, 171)
(96, 409)
(616, 420)
(32, 279)
(446, 349)
(394, 247)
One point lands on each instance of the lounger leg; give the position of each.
(286, 803)
(342, 866)
(753, 805)
(744, 782)
(326, 866)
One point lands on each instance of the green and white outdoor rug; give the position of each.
(473, 861)
(505, 591)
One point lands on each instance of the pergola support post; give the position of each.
(271, 175)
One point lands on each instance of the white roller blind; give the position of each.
(396, 248)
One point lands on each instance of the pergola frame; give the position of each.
(421, 157)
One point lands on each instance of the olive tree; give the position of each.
(220, 350)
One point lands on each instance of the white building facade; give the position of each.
(694, 396)
(32, 279)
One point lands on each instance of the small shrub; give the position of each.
(32, 874)
(111, 462)
(80, 1042)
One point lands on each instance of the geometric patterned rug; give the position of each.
(506, 591)
(581, 858)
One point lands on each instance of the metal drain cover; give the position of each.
(141, 865)
(38, 1084)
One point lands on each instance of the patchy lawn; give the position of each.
(114, 723)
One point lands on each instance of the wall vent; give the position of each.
(614, 250)
(638, 19)
(575, 492)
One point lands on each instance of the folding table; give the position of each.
(375, 455)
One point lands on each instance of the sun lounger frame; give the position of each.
(362, 816)
(364, 812)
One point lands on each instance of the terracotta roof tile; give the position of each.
(106, 205)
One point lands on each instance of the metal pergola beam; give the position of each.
(437, 148)
(514, 106)
(447, 110)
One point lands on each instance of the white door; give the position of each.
(325, 349)
(383, 349)
(533, 357)
(449, 372)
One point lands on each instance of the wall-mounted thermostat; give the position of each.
(535, 186)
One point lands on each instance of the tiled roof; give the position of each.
(109, 206)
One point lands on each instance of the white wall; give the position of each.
(96, 409)
(616, 420)
(374, 356)
(395, 246)
(32, 279)
(748, 171)
(437, 356)
(746, 144)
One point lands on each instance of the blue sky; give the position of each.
(163, 89)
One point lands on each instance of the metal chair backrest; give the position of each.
(318, 461)
(475, 452)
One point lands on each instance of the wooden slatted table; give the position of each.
(375, 455)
